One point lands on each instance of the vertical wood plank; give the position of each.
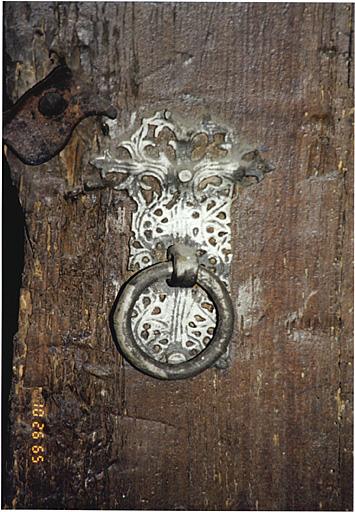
(273, 432)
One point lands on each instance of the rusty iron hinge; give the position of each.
(41, 122)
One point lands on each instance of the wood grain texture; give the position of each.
(274, 431)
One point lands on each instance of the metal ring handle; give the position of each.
(138, 358)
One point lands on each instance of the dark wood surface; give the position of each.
(274, 431)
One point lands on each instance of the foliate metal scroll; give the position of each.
(182, 179)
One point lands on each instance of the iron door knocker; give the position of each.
(174, 319)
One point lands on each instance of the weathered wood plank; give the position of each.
(274, 430)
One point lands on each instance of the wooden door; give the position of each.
(274, 430)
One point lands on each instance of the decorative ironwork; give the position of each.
(182, 180)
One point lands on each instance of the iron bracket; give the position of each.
(41, 122)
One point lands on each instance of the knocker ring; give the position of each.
(218, 345)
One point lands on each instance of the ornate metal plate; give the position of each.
(182, 180)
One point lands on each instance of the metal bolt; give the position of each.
(52, 104)
(185, 175)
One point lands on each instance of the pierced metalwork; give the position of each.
(182, 180)
(129, 342)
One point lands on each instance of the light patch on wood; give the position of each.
(48, 238)
(25, 300)
(37, 269)
(259, 378)
(340, 404)
(115, 223)
(249, 304)
(71, 156)
(295, 316)
(24, 315)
